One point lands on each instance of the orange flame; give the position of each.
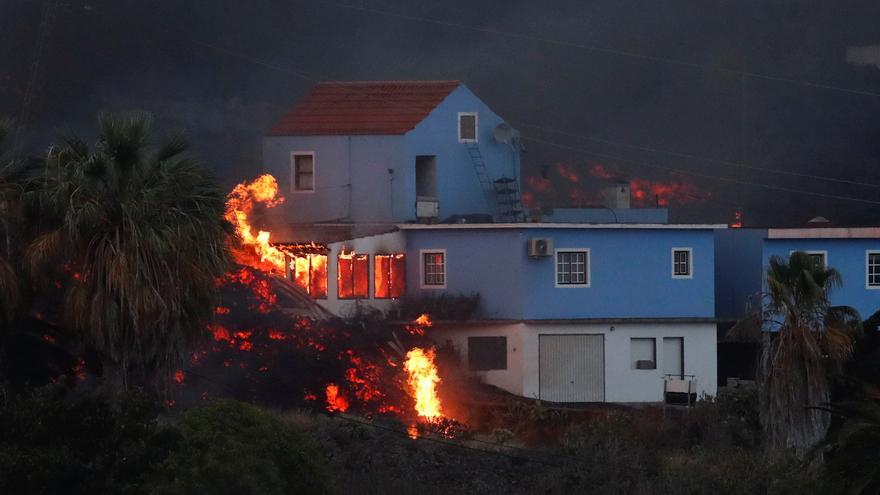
(239, 205)
(335, 402)
(423, 380)
(424, 320)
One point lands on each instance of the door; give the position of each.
(571, 368)
(673, 356)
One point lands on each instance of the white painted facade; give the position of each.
(623, 383)
(389, 243)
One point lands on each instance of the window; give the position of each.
(572, 268)
(487, 353)
(303, 172)
(434, 269)
(820, 257)
(467, 127)
(389, 275)
(310, 273)
(353, 276)
(643, 353)
(682, 263)
(873, 269)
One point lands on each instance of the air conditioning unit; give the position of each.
(427, 208)
(539, 248)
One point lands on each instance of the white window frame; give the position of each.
(588, 260)
(476, 127)
(293, 189)
(868, 254)
(824, 254)
(422, 253)
(690, 252)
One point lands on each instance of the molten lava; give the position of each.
(335, 401)
(423, 379)
(239, 205)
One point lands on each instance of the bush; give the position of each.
(232, 447)
(94, 444)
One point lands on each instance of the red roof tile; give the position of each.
(367, 107)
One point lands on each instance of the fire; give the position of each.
(239, 205)
(423, 320)
(335, 402)
(423, 380)
(179, 376)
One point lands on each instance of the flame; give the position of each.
(239, 205)
(424, 320)
(423, 380)
(335, 402)
(179, 376)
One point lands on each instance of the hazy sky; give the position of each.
(648, 89)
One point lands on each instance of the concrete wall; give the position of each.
(378, 244)
(845, 255)
(739, 270)
(622, 383)
(458, 188)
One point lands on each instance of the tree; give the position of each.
(142, 235)
(10, 187)
(805, 338)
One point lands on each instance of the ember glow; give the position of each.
(423, 379)
(335, 401)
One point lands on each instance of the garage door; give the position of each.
(571, 368)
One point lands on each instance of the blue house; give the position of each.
(413, 190)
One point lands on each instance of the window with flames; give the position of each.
(353, 276)
(310, 273)
(390, 270)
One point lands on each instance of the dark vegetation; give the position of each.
(116, 378)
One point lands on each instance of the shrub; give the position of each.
(232, 447)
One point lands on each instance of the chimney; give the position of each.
(616, 196)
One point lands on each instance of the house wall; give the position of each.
(458, 189)
(623, 384)
(510, 379)
(739, 270)
(488, 262)
(352, 182)
(845, 255)
(378, 244)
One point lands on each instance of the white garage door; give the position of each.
(571, 368)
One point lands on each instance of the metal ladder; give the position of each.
(502, 195)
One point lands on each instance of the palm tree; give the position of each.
(805, 339)
(142, 230)
(9, 189)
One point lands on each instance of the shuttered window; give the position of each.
(353, 276)
(467, 127)
(303, 172)
(389, 275)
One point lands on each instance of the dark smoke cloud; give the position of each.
(168, 56)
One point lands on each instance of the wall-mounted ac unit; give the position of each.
(427, 208)
(539, 248)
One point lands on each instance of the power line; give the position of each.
(597, 48)
(642, 163)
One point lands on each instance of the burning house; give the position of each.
(411, 190)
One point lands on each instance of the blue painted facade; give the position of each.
(371, 178)
(739, 271)
(630, 271)
(846, 255)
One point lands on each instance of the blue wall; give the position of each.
(351, 172)
(631, 272)
(739, 270)
(845, 255)
(458, 188)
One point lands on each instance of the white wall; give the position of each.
(389, 243)
(622, 383)
(509, 379)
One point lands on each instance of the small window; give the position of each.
(310, 273)
(353, 276)
(434, 269)
(303, 173)
(682, 263)
(467, 127)
(643, 353)
(487, 353)
(389, 273)
(873, 269)
(572, 268)
(819, 258)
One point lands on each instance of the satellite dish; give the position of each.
(506, 134)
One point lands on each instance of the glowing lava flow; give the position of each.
(239, 205)
(423, 380)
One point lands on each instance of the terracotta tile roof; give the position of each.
(367, 107)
